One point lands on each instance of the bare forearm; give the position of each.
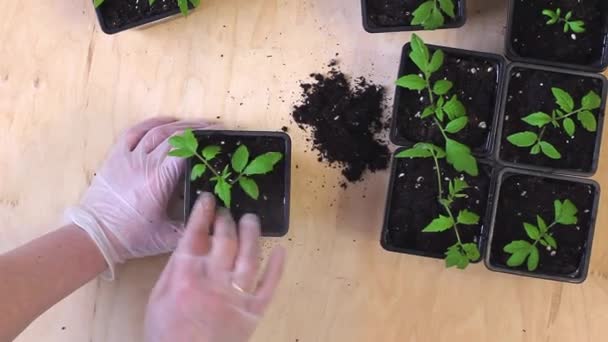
(39, 274)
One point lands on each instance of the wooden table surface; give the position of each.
(67, 90)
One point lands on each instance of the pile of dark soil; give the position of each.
(344, 120)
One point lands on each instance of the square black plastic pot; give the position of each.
(529, 39)
(521, 195)
(395, 24)
(579, 155)
(398, 237)
(273, 203)
(113, 14)
(472, 68)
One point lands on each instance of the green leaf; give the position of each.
(533, 259)
(532, 231)
(523, 139)
(459, 185)
(98, 3)
(566, 27)
(420, 53)
(422, 13)
(185, 141)
(520, 250)
(542, 225)
(428, 111)
(151, 2)
(535, 149)
(240, 158)
(577, 26)
(436, 61)
(587, 120)
(457, 125)
(538, 119)
(181, 153)
(454, 108)
(441, 87)
(591, 101)
(439, 224)
(455, 257)
(569, 126)
(549, 150)
(448, 7)
(467, 217)
(563, 99)
(183, 6)
(222, 190)
(263, 164)
(567, 214)
(195, 3)
(197, 171)
(557, 209)
(435, 21)
(210, 152)
(439, 152)
(550, 241)
(471, 251)
(459, 156)
(415, 152)
(568, 15)
(439, 111)
(250, 187)
(553, 17)
(412, 82)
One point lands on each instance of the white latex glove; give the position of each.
(209, 291)
(125, 208)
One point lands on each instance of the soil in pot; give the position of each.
(520, 199)
(413, 205)
(529, 91)
(118, 14)
(532, 37)
(394, 13)
(270, 206)
(475, 80)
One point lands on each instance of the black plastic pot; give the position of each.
(371, 24)
(521, 195)
(273, 204)
(537, 81)
(410, 239)
(529, 39)
(485, 97)
(118, 15)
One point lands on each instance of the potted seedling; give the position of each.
(565, 33)
(249, 172)
(412, 15)
(552, 119)
(542, 225)
(119, 15)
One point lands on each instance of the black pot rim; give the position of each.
(512, 55)
(600, 125)
(461, 19)
(594, 210)
(154, 19)
(502, 65)
(287, 201)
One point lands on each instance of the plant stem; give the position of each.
(447, 208)
(570, 114)
(545, 233)
(438, 173)
(232, 182)
(207, 164)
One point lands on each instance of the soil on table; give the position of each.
(413, 205)
(521, 198)
(344, 120)
(120, 13)
(531, 37)
(390, 13)
(270, 206)
(529, 92)
(475, 80)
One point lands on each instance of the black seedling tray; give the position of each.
(499, 66)
(275, 215)
(585, 214)
(372, 27)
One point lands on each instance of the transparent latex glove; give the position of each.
(125, 208)
(209, 290)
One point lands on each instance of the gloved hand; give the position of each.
(125, 208)
(209, 291)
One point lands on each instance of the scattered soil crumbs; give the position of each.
(344, 120)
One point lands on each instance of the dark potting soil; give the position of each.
(344, 121)
(529, 91)
(475, 80)
(531, 37)
(271, 203)
(387, 13)
(120, 13)
(413, 205)
(521, 198)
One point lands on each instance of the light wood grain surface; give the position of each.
(67, 90)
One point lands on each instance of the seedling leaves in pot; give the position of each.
(182, 4)
(431, 14)
(555, 17)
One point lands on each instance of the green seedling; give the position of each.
(431, 14)
(240, 170)
(560, 117)
(522, 250)
(461, 253)
(183, 4)
(443, 107)
(555, 17)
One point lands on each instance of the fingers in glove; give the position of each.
(269, 282)
(247, 261)
(156, 136)
(196, 240)
(224, 243)
(133, 135)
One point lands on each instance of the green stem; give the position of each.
(207, 164)
(570, 114)
(438, 173)
(236, 179)
(545, 233)
(447, 208)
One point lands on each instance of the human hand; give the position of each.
(209, 291)
(125, 208)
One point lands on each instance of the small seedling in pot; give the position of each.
(562, 115)
(431, 14)
(461, 253)
(183, 4)
(555, 17)
(239, 171)
(522, 250)
(442, 106)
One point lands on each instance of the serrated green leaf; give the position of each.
(577, 26)
(563, 99)
(250, 187)
(587, 120)
(181, 153)
(532, 231)
(533, 259)
(420, 53)
(435, 21)
(186, 141)
(520, 250)
(569, 127)
(460, 157)
(467, 217)
(471, 251)
(459, 185)
(412, 82)
(210, 152)
(439, 224)
(436, 61)
(455, 257)
(263, 164)
(197, 171)
(441, 87)
(538, 119)
(567, 214)
(222, 190)
(550, 241)
(454, 108)
(447, 6)
(542, 225)
(428, 111)
(457, 125)
(549, 150)
(591, 101)
(422, 13)
(415, 152)
(523, 139)
(240, 158)
(183, 6)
